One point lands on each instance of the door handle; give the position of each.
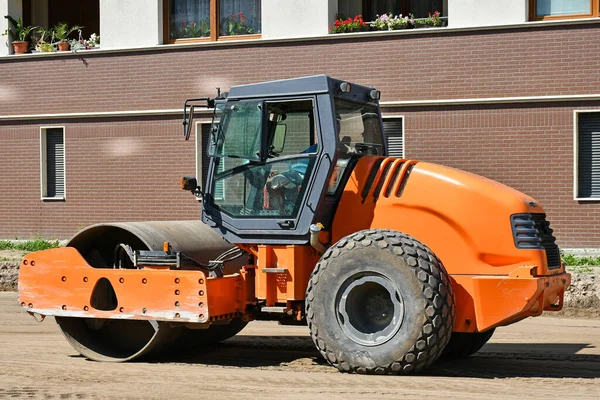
(287, 224)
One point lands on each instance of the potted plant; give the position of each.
(235, 25)
(347, 25)
(192, 30)
(82, 44)
(433, 20)
(389, 22)
(19, 35)
(44, 41)
(61, 34)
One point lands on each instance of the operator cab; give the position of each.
(280, 154)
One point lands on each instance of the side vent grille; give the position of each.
(532, 231)
(398, 173)
(371, 179)
(384, 174)
(395, 175)
(404, 180)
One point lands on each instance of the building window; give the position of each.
(48, 13)
(561, 9)
(587, 160)
(210, 20)
(418, 8)
(52, 165)
(393, 129)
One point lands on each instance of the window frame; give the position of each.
(44, 165)
(594, 7)
(214, 33)
(576, 156)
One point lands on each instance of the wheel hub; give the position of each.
(369, 308)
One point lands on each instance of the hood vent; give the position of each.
(395, 171)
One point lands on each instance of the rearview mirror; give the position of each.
(279, 139)
(187, 124)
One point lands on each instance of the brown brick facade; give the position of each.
(115, 170)
(128, 168)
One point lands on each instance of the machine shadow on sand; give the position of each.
(496, 360)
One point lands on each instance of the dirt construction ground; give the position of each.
(537, 358)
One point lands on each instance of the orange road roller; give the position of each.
(306, 219)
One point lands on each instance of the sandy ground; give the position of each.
(536, 358)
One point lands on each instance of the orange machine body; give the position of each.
(60, 282)
(465, 220)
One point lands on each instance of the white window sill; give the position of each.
(54, 198)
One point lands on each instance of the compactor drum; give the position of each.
(390, 262)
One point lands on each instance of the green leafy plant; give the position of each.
(192, 30)
(46, 47)
(19, 32)
(433, 20)
(62, 31)
(43, 39)
(29, 245)
(579, 261)
(347, 25)
(235, 24)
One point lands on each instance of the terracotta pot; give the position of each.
(20, 47)
(63, 46)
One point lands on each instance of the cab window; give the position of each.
(275, 186)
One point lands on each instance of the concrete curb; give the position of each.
(581, 300)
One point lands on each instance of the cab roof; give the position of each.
(317, 84)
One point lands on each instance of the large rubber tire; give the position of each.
(464, 344)
(348, 304)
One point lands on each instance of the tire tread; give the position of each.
(436, 330)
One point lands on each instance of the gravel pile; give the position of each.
(9, 272)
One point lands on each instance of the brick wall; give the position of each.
(115, 171)
(128, 168)
(519, 62)
(527, 147)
